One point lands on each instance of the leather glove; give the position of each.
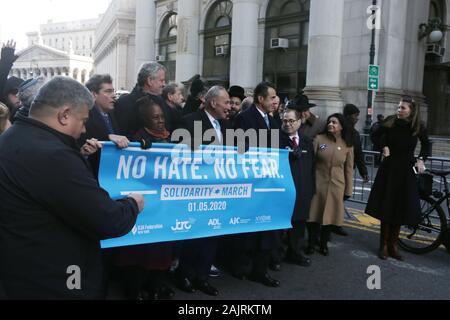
(346, 198)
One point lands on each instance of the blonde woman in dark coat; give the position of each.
(334, 181)
(394, 198)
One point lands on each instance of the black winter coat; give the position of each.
(301, 161)
(252, 119)
(96, 128)
(394, 198)
(53, 215)
(359, 154)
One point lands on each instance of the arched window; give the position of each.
(286, 45)
(168, 45)
(217, 45)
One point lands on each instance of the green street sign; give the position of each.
(374, 70)
(373, 84)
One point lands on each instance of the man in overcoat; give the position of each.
(53, 214)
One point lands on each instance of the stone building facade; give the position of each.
(323, 47)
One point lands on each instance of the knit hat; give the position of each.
(29, 89)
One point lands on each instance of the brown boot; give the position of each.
(384, 239)
(394, 233)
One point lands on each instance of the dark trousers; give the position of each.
(296, 238)
(260, 259)
(313, 233)
(196, 258)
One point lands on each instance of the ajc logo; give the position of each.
(182, 226)
(235, 221)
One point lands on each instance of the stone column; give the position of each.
(324, 55)
(187, 40)
(122, 58)
(244, 43)
(145, 32)
(402, 59)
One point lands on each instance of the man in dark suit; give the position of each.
(151, 81)
(301, 160)
(102, 124)
(260, 244)
(197, 255)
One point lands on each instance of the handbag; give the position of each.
(425, 183)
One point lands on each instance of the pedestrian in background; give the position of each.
(394, 199)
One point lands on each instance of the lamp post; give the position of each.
(372, 61)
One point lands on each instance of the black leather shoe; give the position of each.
(206, 288)
(266, 280)
(185, 285)
(275, 266)
(340, 231)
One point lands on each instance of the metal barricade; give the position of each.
(362, 190)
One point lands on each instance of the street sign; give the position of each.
(374, 78)
(374, 84)
(374, 70)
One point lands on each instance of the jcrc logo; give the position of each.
(214, 223)
(182, 226)
(134, 230)
(263, 219)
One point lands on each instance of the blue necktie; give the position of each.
(266, 119)
(218, 130)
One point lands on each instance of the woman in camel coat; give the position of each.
(334, 180)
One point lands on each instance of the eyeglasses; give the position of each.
(109, 91)
(290, 121)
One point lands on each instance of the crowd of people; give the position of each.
(53, 212)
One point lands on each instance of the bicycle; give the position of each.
(433, 230)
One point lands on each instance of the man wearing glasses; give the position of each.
(102, 125)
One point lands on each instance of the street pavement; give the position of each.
(344, 274)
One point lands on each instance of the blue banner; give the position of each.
(210, 192)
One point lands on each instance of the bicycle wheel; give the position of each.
(427, 235)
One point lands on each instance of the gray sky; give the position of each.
(18, 17)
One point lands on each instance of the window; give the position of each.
(217, 44)
(288, 19)
(168, 44)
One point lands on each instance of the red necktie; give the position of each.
(294, 142)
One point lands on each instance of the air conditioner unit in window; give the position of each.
(221, 51)
(276, 43)
(436, 49)
(160, 58)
